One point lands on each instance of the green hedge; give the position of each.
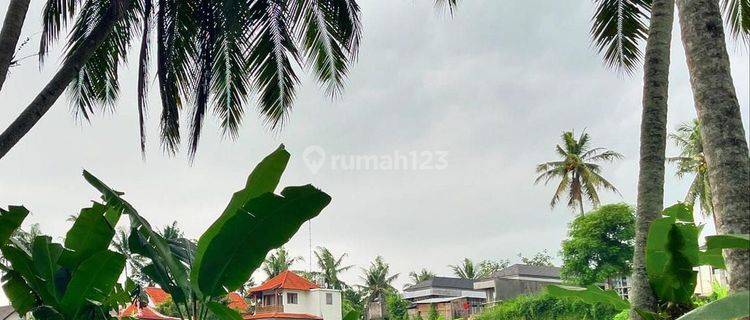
(545, 307)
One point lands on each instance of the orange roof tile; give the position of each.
(144, 313)
(236, 301)
(286, 280)
(281, 315)
(157, 295)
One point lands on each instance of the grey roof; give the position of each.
(6, 311)
(444, 282)
(524, 270)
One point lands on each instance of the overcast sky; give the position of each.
(493, 88)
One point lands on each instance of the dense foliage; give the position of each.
(600, 245)
(546, 307)
(396, 307)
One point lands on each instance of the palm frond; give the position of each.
(323, 45)
(737, 17)
(208, 32)
(449, 5)
(55, 16)
(618, 28)
(271, 56)
(549, 174)
(564, 185)
(608, 155)
(143, 74)
(97, 83)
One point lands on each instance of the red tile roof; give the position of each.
(144, 313)
(286, 280)
(236, 301)
(281, 315)
(157, 295)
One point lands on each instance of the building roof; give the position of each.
(286, 280)
(281, 315)
(524, 270)
(6, 311)
(143, 313)
(443, 282)
(157, 295)
(236, 301)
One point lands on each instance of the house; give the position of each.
(451, 297)
(8, 313)
(290, 296)
(516, 280)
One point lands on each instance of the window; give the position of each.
(329, 298)
(268, 300)
(291, 298)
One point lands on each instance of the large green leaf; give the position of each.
(263, 179)
(712, 257)
(734, 306)
(10, 220)
(147, 242)
(728, 241)
(47, 313)
(92, 282)
(92, 232)
(19, 293)
(681, 212)
(22, 263)
(45, 255)
(264, 223)
(591, 294)
(671, 253)
(352, 315)
(223, 312)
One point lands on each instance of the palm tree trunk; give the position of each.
(12, 25)
(653, 145)
(70, 68)
(723, 135)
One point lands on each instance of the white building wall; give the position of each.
(302, 302)
(314, 302)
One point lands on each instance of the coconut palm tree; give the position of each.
(210, 56)
(691, 160)
(330, 268)
(466, 270)
(723, 135)
(577, 170)
(278, 262)
(619, 28)
(172, 232)
(378, 281)
(134, 262)
(415, 277)
(14, 18)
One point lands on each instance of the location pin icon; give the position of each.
(314, 157)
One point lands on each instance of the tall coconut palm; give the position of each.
(172, 232)
(378, 281)
(278, 262)
(210, 56)
(692, 161)
(723, 134)
(331, 267)
(578, 171)
(417, 277)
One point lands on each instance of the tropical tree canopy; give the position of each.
(578, 171)
(540, 259)
(331, 267)
(208, 56)
(278, 262)
(423, 275)
(599, 245)
(377, 280)
(691, 161)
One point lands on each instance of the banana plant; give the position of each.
(672, 253)
(73, 280)
(255, 221)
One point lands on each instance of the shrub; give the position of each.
(545, 307)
